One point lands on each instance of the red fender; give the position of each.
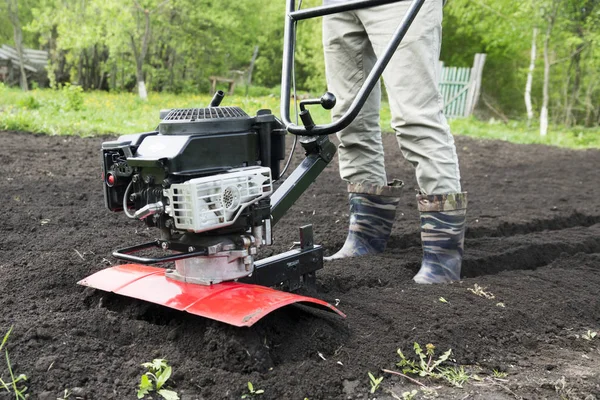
(238, 304)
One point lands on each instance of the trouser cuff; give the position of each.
(393, 189)
(442, 202)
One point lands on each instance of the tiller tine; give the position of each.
(234, 303)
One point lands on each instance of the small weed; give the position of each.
(499, 374)
(409, 395)
(65, 395)
(428, 366)
(455, 376)
(73, 97)
(589, 335)
(252, 392)
(375, 382)
(15, 383)
(29, 102)
(155, 378)
(443, 300)
(480, 291)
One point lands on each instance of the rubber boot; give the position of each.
(372, 215)
(443, 235)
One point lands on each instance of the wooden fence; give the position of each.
(34, 63)
(461, 87)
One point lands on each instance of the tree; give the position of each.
(530, 77)
(176, 45)
(550, 21)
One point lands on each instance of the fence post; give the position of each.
(475, 84)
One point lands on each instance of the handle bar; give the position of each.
(292, 16)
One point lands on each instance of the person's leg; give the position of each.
(415, 101)
(372, 215)
(442, 235)
(422, 130)
(349, 58)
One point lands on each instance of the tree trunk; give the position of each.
(80, 68)
(139, 72)
(570, 117)
(252, 61)
(589, 105)
(530, 78)
(140, 56)
(544, 113)
(172, 57)
(546, 96)
(13, 15)
(113, 76)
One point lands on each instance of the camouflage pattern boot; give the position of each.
(443, 234)
(372, 215)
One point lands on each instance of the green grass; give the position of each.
(519, 132)
(71, 112)
(48, 111)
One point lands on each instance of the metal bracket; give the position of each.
(291, 270)
(319, 153)
(126, 253)
(306, 237)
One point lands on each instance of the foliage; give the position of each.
(409, 395)
(15, 383)
(428, 366)
(375, 382)
(73, 97)
(29, 102)
(456, 376)
(104, 113)
(154, 379)
(504, 30)
(499, 374)
(97, 44)
(252, 392)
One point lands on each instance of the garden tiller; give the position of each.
(206, 179)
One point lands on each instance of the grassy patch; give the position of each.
(57, 112)
(519, 132)
(71, 112)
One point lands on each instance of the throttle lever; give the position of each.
(327, 101)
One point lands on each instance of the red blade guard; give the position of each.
(238, 304)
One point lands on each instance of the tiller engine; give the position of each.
(205, 180)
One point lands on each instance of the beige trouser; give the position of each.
(352, 41)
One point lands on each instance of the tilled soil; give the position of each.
(533, 241)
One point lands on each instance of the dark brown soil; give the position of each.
(533, 241)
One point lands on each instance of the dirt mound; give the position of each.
(533, 241)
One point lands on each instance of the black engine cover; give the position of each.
(187, 144)
(197, 154)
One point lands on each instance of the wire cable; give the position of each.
(289, 160)
(125, 196)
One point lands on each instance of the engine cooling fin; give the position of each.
(194, 114)
(234, 303)
(205, 121)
